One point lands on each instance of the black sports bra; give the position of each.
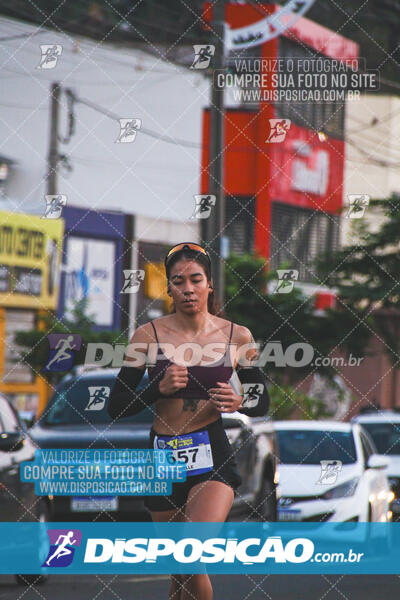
(201, 377)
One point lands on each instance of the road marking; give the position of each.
(139, 579)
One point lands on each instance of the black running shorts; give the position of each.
(224, 469)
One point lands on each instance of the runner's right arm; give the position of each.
(124, 401)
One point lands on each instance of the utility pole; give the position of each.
(52, 159)
(213, 226)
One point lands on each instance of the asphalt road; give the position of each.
(232, 587)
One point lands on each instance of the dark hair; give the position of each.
(213, 306)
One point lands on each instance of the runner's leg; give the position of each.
(198, 505)
(171, 516)
(200, 509)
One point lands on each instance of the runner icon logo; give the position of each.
(202, 56)
(286, 279)
(132, 281)
(54, 206)
(278, 130)
(357, 205)
(98, 397)
(128, 130)
(203, 205)
(62, 547)
(62, 351)
(251, 394)
(50, 54)
(330, 470)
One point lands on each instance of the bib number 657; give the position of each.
(184, 455)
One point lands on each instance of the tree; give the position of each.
(288, 319)
(286, 402)
(367, 273)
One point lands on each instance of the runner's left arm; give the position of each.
(257, 403)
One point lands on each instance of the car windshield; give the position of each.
(309, 447)
(84, 401)
(386, 436)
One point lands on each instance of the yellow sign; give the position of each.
(30, 253)
(155, 282)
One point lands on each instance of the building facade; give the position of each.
(30, 257)
(283, 200)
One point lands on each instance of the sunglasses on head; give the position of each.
(184, 246)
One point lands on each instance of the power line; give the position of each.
(189, 144)
(146, 131)
(373, 160)
(375, 121)
(390, 83)
(145, 49)
(21, 35)
(371, 143)
(151, 50)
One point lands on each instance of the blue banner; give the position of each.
(215, 548)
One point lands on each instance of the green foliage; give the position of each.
(285, 402)
(287, 318)
(282, 402)
(367, 273)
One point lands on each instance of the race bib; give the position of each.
(193, 449)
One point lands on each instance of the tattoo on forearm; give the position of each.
(189, 404)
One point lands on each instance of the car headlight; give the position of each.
(344, 490)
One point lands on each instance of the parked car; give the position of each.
(330, 471)
(384, 428)
(18, 501)
(66, 423)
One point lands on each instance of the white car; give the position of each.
(383, 427)
(330, 472)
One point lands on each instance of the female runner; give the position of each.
(188, 400)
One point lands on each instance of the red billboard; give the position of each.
(304, 169)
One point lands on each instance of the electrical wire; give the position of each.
(187, 143)
(92, 47)
(21, 35)
(146, 131)
(371, 144)
(376, 121)
(377, 161)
